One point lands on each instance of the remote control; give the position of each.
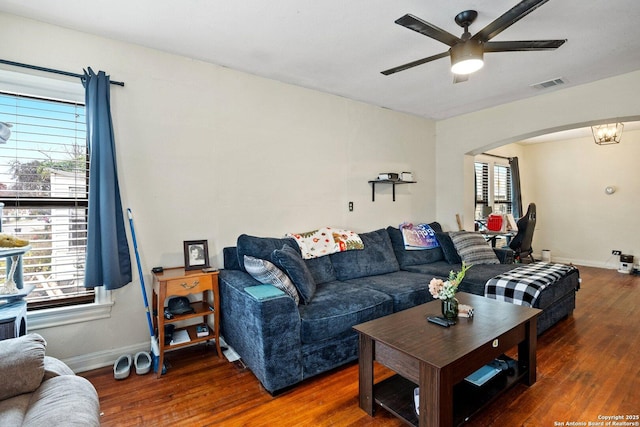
(438, 321)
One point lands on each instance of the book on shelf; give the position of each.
(202, 330)
(483, 375)
(262, 292)
(180, 336)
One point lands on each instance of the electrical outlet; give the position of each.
(350, 206)
(614, 252)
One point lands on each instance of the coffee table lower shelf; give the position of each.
(395, 394)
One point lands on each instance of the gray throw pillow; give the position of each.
(473, 248)
(289, 260)
(267, 273)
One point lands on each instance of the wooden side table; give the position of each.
(175, 282)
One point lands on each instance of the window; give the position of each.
(498, 194)
(501, 189)
(44, 174)
(482, 189)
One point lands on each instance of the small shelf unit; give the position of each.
(174, 282)
(386, 181)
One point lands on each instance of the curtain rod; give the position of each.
(495, 155)
(51, 70)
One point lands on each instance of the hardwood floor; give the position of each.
(588, 367)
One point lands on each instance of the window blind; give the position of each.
(482, 187)
(502, 188)
(44, 174)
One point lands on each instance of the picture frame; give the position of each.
(196, 254)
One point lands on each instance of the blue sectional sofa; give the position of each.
(284, 343)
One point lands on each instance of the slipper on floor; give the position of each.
(122, 367)
(142, 362)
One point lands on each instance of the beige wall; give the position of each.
(579, 106)
(205, 152)
(576, 220)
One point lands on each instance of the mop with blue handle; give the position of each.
(155, 350)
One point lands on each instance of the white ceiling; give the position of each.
(340, 46)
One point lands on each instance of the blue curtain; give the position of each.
(516, 194)
(108, 260)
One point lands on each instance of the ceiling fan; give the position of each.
(467, 52)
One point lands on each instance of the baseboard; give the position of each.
(100, 359)
(609, 264)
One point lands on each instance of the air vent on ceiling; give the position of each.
(548, 83)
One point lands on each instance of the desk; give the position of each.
(492, 236)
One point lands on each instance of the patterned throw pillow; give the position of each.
(473, 248)
(267, 273)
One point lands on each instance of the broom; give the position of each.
(155, 350)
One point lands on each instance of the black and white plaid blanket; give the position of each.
(524, 284)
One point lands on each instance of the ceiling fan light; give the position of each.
(467, 57)
(467, 66)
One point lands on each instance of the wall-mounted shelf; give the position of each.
(386, 181)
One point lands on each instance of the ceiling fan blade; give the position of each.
(459, 78)
(423, 27)
(415, 63)
(524, 45)
(509, 18)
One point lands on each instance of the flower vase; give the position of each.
(450, 308)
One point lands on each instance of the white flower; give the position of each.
(443, 290)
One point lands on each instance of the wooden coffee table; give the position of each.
(438, 359)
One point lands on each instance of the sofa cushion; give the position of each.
(21, 364)
(265, 272)
(12, 410)
(260, 247)
(292, 263)
(407, 289)
(476, 277)
(473, 248)
(405, 257)
(67, 400)
(474, 280)
(321, 269)
(54, 367)
(448, 248)
(377, 257)
(337, 307)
